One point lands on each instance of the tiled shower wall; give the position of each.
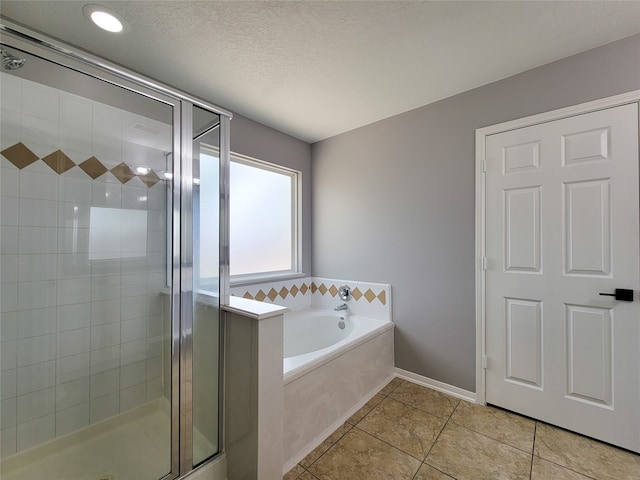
(82, 262)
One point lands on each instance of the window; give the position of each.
(264, 223)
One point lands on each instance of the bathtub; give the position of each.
(333, 363)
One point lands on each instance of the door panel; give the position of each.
(561, 227)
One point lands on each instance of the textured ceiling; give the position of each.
(317, 69)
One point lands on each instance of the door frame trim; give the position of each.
(481, 135)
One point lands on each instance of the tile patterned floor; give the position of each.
(408, 432)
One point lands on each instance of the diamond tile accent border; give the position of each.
(332, 290)
(58, 162)
(20, 156)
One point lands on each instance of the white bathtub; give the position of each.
(314, 337)
(329, 372)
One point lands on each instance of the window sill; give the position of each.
(242, 281)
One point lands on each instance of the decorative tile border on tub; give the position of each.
(369, 295)
(294, 294)
(368, 299)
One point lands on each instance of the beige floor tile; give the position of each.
(584, 455)
(391, 386)
(359, 415)
(498, 424)
(427, 472)
(326, 445)
(407, 428)
(307, 476)
(467, 455)
(294, 473)
(543, 470)
(425, 399)
(360, 456)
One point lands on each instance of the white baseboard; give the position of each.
(436, 385)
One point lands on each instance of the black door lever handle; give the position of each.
(622, 294)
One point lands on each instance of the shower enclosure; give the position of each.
(111, 274)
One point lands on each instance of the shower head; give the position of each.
(11, 62)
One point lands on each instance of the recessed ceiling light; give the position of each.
(104, 18)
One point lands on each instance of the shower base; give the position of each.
(131, 446)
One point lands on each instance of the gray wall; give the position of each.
(394, 201)
(256, 140)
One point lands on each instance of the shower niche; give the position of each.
(102, 337)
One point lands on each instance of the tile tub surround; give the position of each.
(410, 432)
(82, 320)
(323, 398)
(369, 299)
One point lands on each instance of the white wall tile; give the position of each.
(8, 211)
(107, 195)
(73, 240)
(41, 321)
(9, 326)
(11, 128)
(71, 317)
(132, 352)
(72, 393)
(134, 285)
(75, 290)
(104, 383)
(154, 346)
(105, 359)
(74, 190)
(156, 220)
(9, 268)
(37, 266)
(36, 349)
(133, 396)
(105, 335)
(74, 215)
(9, 239)
(106, 267)
(105, 311)
(157, 262)
(72, 368)
(75, 139)
(40, 100)
(105, 288)
(154, 304)
(36, 431)
(8, 442)
(72, 419)
(9, 295)
(134, 265)
(74, 342)
(76, 111)
(104, 407)
(40, 186)
(8, 385)
(134, 197)
(74, 265)
(36, 404)
(38, 240)
(9, 185)
(41, 132)
(9, 355)
(37, 294)
(8, 413)
(153, 367)
(36, 377)
(11, 92)
(38, 213)
(133, 307)
(132, 374)
(155, 326)
(135, 329)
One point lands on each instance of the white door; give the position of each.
(562, 226)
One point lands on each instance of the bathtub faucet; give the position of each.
(341, 307)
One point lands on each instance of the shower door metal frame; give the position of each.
(39, 45)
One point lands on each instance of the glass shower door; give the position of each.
(85, 191)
